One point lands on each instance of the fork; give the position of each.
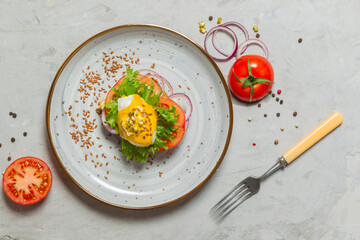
(251, 185)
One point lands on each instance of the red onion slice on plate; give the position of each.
(106, 126)
(227, 30)
(152, 74)
(252, 41)
(188, 104)
(246, 33)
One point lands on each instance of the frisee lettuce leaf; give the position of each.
(166, 117)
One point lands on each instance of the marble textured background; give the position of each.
(317, 197)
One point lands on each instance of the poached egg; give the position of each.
(137, 120)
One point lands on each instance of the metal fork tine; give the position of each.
(232, 201)
(228, 196)
(236, 203)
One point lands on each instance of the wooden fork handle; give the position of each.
(313, 137)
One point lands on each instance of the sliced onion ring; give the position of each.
(233, 35)
(252, 41)
(106, 126)
(189, 106)
(246, 33)
(152, 74)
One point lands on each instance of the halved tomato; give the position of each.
(141, 78)
(27, 180)
(180, 132)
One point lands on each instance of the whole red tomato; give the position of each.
(251, 78)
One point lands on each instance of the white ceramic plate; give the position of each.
(170, 175)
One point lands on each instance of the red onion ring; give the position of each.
(246, 33)
(252, 41)
(152, 74)
(107, 127)
(189, 106)
(228, 30)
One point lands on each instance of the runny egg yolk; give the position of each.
(137, 121)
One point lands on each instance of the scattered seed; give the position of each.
(201, 24)
(259, 105)
(0, 145)
(9, 158)
(297, 125)
(278, 114)
(257, 35)
(300, 40)
(295, 114)
(273, 95)
(282, 129)
(277, 99)
(14, 115)
(12, 139)
(265, 115)
(276, 142)
(281, 101)
(210, 18)
(249, 119)
(25, 134)
(11, 113)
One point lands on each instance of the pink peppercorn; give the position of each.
(278, 91)
(254, 144)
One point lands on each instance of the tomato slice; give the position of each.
(141, 78)
(27, 180)
(180, 132)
